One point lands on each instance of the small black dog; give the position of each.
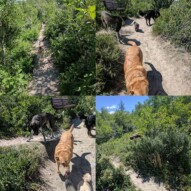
(90, 121)
(136, 136)
(136, 26)
(39, 121)
(150, 14)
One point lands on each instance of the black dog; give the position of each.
(108, 19)
(150, 14)
(90, 121)
(39, 121)
(136, 136)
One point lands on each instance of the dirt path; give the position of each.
(169, 68)
(45, 75)
(83, 160)
(138, 182)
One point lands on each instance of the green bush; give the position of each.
(19, 168)
(108, 66)
(72, 39)
(176, 27)
(16, 113)
(163, 154)
(134, 6)
(110, 178)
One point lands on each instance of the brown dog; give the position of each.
(135, 74)
(64, 150)
(84, 185)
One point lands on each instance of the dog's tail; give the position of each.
(132, 43)
(87, 177)
(71, 128)
(69, 185)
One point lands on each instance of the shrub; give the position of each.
(110, 178)
(176, 27)
(109, 67)
(16, 113)
(163, 154)
(19, 168)
(72, 41)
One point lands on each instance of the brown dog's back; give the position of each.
(135, 74)
(64, 149)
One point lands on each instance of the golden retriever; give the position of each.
(135, 74)
(64, 151)
(84, 185)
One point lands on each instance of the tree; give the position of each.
(8, 27)
(121, 106)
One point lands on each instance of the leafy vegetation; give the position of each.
(70, 30)
(19, 167)
(163, 152)
(19, 28)
(109, 178)
(176, 27)
(71, 33)
(108, 65)
(16, 112)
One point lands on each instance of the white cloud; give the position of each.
(112, 107)
(111, 112)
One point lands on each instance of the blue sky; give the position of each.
(111, 102)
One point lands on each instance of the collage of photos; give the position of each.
(95, 95)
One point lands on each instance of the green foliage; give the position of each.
(16, 113)
(72, 39)
(158, 4)
(134, 6)
(85, 104)
(176, 27)
(163, 154)
(19, 168)
(111, 126)
(110, 178)
(20, 25)
(108, 65)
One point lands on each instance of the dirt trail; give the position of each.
(140, 183)
(45, 75)
(169, 68)
(83, 160)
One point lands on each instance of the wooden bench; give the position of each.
(61, 103)
(112, 5)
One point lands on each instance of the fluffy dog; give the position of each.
(89, 121)
(64, 151)
(150, 14)
(135, 74)
(110, 20)
(38, 122)
(84, 185)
